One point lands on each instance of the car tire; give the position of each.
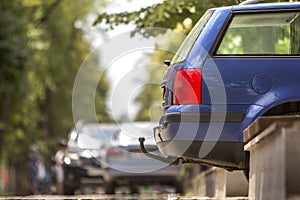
(179, 188)
(134, 189)
(109, 188)
(69, 190)
(246, 169)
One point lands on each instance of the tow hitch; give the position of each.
(170, 161)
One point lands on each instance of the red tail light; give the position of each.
(115, 152)
(187, 87)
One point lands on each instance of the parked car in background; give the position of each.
(82, 165)
(237, 64)
(125, 165)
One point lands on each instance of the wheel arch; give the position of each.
(282, 108)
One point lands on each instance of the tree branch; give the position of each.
(49, 11)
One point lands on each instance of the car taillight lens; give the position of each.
(187, 86)
(115, 152)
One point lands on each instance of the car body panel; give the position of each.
(266, 6)
(236, 89)
(135, 165)
(82, 162)
(124, 163)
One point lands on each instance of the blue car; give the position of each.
(237, 64)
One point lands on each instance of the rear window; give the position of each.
(272, 33)
(90, 137)
(189, 41)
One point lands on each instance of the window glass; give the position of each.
(91, 137)
(189, 41)
(262, 34)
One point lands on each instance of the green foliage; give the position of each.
(167, 14)
(13, 42)
(40, 54)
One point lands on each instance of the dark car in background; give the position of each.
(238, 63)
(82, 165)
(124, 164)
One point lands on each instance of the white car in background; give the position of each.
(124, 164)
(82, 165)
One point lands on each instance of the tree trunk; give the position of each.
(4, 118)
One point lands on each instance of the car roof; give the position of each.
(142, 124)
(99, 125)
(136, 127)
(132, 129)
(261, 6)
(95, 126)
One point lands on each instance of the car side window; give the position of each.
(271, 33)
(189, 41)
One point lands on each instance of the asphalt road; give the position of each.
(94, 197)
(118, 197)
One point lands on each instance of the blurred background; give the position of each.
(43, 43)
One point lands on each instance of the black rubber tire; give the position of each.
(134, 189)
(247, 165)
(109, 188)
(69, 190)
(179, 188)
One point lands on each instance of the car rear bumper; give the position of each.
(207, 138)
(229, 155)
